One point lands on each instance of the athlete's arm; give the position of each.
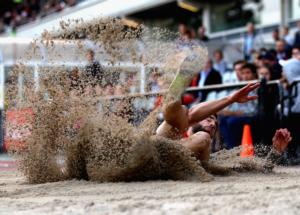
(205, 109)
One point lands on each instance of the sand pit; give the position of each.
(247, 193)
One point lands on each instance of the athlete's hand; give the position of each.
(242, 95)
(281, 140)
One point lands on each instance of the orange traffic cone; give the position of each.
(247, 145)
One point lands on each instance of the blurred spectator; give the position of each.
(187, 36)
(269, 58)
(119, 90)
(157, 101)
(289, 39)
(153, 84)
(235, 75)
(296, 52)
(251, 42)
(297, 36)
(275, 35)
(248, 72)
(2, 27)
(208, 76)
(229, 77)
(219, 63)
(94, 70)
(237, 115)
(131, 84)
(98, 90)
(108, 90)
(75, 80)
(258, 59)
(52, 7)
(238, 65)
(71, 3)
(291, 72)
(201, 34)
(264, 72)
(122, 107)
(88, 90)
(282, 50)
(28, 11)
(182, 28)
(193, 33)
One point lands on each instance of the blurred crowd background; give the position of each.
(247, 40)
(19, 12)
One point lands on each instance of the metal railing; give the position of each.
(213, 87)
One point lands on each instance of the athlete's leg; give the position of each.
(176, 115)
(176, 121)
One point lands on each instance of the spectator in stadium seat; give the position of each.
(297, 35)
(119, 90)
(71, 3)
(269, 58)
(264, 72)
(288, 38)
(219, 63)
(275, 35)
(236, 116)
(187, 36)
(182, 28)
(296, 52)
(28, 11)
(75, 84)
(208, 76)
(153, 85)
(229, 77)
(201, 34)
(291, 72)
(108, 90)
(248, 72)
(130, 86)
(235, 76)
(283, 51)
(193, 33)
(94, 70)
(2, 27)
(251, 41)
(258, 60)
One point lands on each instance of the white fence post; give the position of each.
(36, 78)
(143, 79)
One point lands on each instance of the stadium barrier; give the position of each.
(213, 87)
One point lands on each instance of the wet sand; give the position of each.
(243, 193)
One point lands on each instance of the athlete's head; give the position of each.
(209, 125)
